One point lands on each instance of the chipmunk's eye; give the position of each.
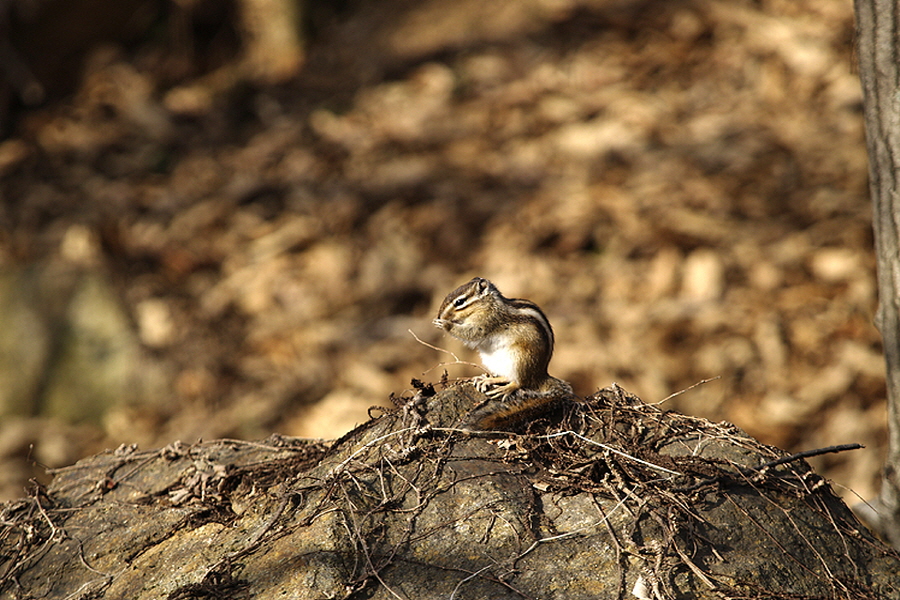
(459, 301)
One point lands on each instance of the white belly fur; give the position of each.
(499, 361)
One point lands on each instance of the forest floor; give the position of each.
(681, 186)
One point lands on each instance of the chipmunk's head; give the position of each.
(467, 307)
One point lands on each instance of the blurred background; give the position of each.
(228, 219)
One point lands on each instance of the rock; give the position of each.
(604, 498)
(69, 350)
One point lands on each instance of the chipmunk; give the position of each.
(515, 341)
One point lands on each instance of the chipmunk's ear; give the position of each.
(483, 287)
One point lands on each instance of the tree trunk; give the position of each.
(878, 23)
